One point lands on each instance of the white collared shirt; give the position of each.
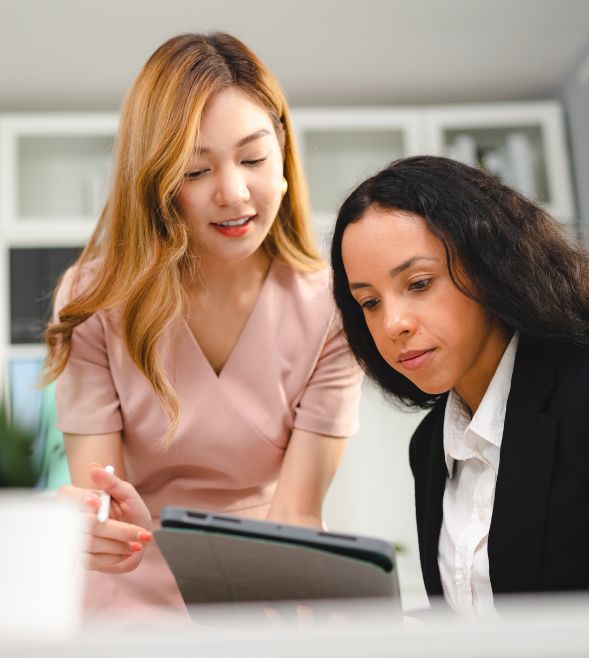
(472, 447)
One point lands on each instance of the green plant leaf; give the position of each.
(16, 449)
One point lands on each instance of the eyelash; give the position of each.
(418, 286)
(421, 285)
(195, 175)
(254, 163)
(369, 304)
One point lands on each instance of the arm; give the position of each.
(85, 449)
(87, 398)
(325, 414)
(309, 465)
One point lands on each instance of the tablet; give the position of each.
(219, 558)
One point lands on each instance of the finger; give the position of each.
(88, 498)
(99, 545)
(118, 489)
(114, 564)
(118, 530)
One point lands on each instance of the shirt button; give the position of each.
(482, 515)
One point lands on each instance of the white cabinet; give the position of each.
(524, 144)
(54, 173)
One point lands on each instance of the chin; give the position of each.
(433, 388)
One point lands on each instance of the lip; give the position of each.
(413, 359)
(235, 231)
(234, 219)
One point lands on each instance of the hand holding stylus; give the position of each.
(118, 522)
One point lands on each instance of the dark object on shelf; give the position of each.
(33, 275)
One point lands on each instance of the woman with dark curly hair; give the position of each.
(459, 294)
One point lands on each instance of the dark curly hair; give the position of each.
(520, 264)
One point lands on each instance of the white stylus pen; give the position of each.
(104, 509)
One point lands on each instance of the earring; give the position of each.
(283, 186)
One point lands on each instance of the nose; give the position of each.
(231, 189)
(398, 321)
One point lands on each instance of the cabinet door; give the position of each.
(55, 171)
(522, 143)
(340, 148)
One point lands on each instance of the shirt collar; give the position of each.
(466, 436)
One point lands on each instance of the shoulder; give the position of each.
(550, 375)
(76, 280)
(307, 294)
(305, 284)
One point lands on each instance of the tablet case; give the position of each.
(217, 559)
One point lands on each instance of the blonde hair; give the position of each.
(138, 259)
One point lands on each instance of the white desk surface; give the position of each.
(531, 628)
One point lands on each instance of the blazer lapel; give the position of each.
(436, 482)
(516, 536)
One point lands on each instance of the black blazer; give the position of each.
(539, 535)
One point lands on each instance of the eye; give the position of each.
(368, 304)
(420, 285)
(254, 163)
(193, 175)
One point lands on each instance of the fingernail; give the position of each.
(135, 546)
(143, 535)
(91, 501)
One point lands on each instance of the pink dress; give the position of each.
(290, 368)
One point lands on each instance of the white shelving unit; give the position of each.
(54, 171)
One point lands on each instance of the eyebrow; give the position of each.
(242, 142)
(405, 265)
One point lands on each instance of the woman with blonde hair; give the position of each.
(195, 343)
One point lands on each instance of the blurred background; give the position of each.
(502, 84)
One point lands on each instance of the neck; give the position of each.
(473, 387)
(229, 276)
